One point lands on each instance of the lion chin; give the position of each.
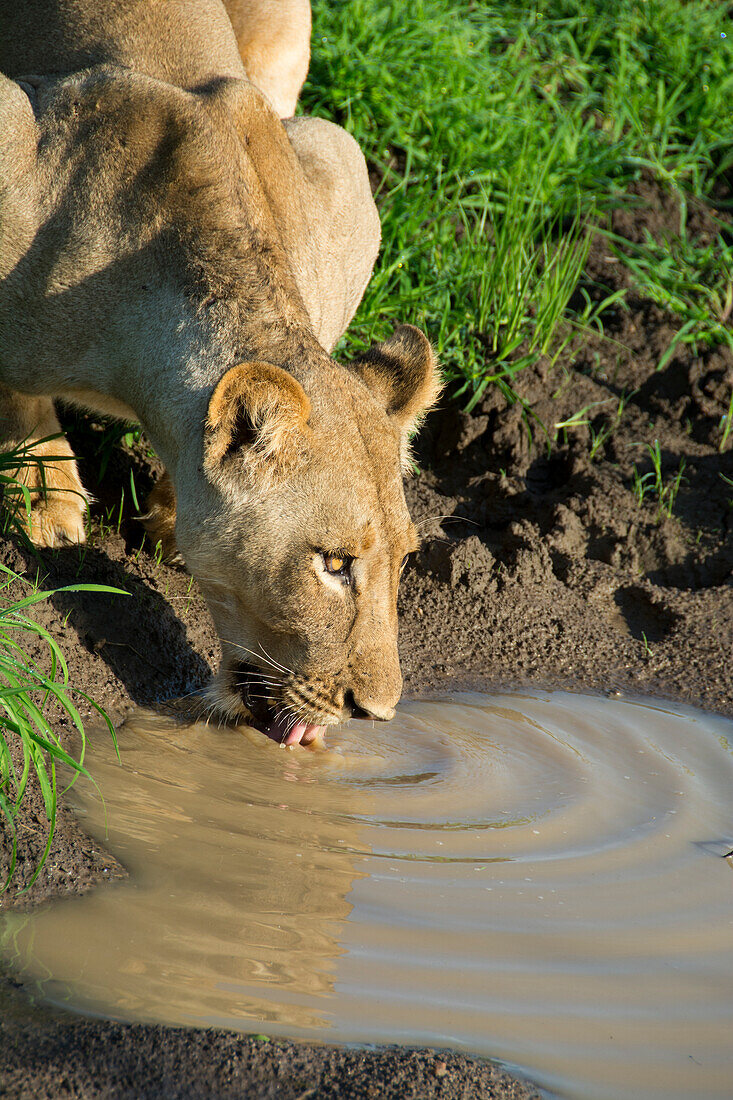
(244, 696)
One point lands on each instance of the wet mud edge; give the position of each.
(538, 568)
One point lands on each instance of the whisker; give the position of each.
(296, 715)
(453, 517)
(463, 519)
(276, 664)
(196, 691)
(430, 519)
(281, 711)
(292, 715)
(267, 681)
(269, 660)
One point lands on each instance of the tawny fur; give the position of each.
(160, 519)
(171, 252)
(273, 37)
(29, 428)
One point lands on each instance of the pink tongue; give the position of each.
(302, 733)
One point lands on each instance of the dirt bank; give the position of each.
(73, 1058)
(539, 566)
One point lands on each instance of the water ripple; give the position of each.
(535, 877)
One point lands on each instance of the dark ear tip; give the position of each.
(411, 338)
(410, 332)
(405, 349)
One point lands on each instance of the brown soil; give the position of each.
(50, 1057)
(538, 566)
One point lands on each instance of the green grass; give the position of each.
(29, 692)
(728, 481)
(33, 695)
(499, 132)
(690, 279)
(652, 482)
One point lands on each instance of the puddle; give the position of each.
(535, 877)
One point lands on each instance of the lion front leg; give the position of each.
(160, 520)
(37, 455)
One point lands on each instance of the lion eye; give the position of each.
(337, 563)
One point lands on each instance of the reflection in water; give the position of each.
(536, 878)
(238, 879)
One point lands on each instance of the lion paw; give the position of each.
(58, 503)
(43, 493)
(54, 523)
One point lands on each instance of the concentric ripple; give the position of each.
(540, 878)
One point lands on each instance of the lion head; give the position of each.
(298, 532)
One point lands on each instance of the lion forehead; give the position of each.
(354, 502)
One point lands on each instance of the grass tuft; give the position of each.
(653, 482)
(692, 280)
(28, 693)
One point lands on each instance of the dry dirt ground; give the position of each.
(538, 567)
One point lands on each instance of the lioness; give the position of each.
(172, 253)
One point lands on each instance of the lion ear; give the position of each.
(403, 374)
(257, 414)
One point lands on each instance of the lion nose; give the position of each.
(367, 708)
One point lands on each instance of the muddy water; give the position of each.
(539, 878)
